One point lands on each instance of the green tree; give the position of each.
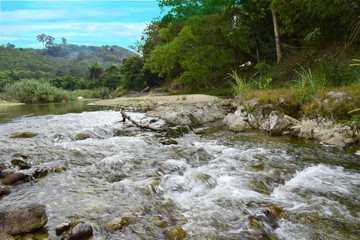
(132, 74)
(95, 72)
(111, 78)
(10, 46)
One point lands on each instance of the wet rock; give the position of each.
(168, 142)
(76, 222)
(19, 155)
(81, 231)
(40, 173)
(176, 233)
(21, 164)
(23, 135)
(4, 236)
(58, 169)
(2, 167)
(116, 177)
(4, 190)
(14, 178)
(116, 224)
(62, 228)
(22, 220)
(83, 136)
(4, 173)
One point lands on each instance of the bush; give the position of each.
(34, 91)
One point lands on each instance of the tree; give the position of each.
(95, 71)
(63, 40)
(49, 41)
(42, 38)
(132, 74)
(10, 46)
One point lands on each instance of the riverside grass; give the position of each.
(305, 96)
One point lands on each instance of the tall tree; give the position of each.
(49, 41)
(42, 38)
(63, 40)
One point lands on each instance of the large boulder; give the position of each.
(14, 178)
(22, 220)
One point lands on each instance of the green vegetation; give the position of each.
(35, 91)
(298, 50)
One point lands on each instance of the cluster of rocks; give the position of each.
(266, 118)
(74, 230)
(263, 117)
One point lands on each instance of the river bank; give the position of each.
(240, 115)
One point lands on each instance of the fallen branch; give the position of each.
(126, 116)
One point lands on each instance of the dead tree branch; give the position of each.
(126, 116)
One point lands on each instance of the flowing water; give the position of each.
(213, 183)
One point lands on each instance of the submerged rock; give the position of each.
(2, 166)
(23, 135)
(81, 231)
(176, 233)
(4, 191)
(14, 178)
(22, 220)
(116, 224)
(21, 164)
(40, 173)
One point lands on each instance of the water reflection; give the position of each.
(8, 113)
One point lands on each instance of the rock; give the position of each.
(241, 111)
(21, 164)
(4, 173)
(116, 224)
(236, 123)
(23, 135)
(2, 166)
(14, 178)
(4, 190)
(277, 123)
(82, 136)
(81, 231)
(19, 155)
(4, 236)
(76, 222)
(62, 228)
(40, 173)
(22, 220)
(80, 98)
(176, 233)
(339, 96)
(260, 115)
(254, 103)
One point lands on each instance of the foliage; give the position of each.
(34, 91)
(132, 75)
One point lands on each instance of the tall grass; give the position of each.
(35, 91)
(310, 82)
(241, 86)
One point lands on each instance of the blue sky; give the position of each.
(80, 22)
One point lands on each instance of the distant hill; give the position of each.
(62, 59)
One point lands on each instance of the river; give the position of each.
(208, 180)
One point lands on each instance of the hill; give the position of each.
(61, 59)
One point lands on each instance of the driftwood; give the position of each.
(126, 116)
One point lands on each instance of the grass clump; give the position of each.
(35, 91)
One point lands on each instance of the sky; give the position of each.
(95, 23)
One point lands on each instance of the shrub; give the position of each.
(34, 91)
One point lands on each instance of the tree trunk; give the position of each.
(277, 36)
(257, 48)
